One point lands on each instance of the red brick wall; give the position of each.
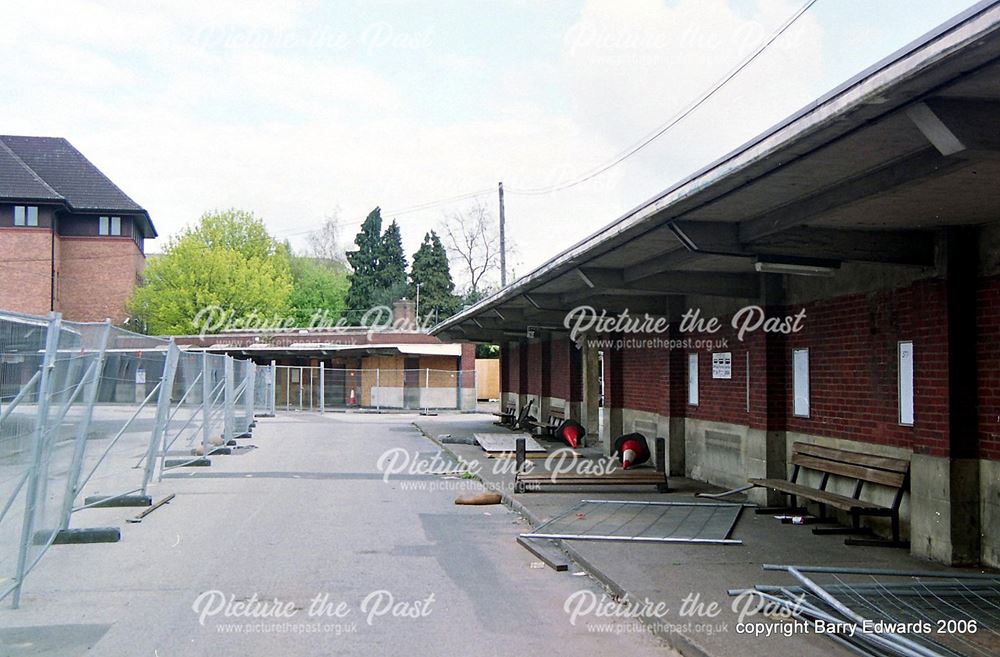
(853, 371)
(988, 371)
(534, 373)
(505, 361)
(560, 368)
(547, 368)
(567, 372)
(467, 364)
(97, 276)
(26, 270)
(852, 343)
(522, 369)
(512, 364)
(645, 374)
(722, 400)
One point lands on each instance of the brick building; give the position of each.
(873, 215)
(70, 239)
(397, 366)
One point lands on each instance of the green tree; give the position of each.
(392, 259)
(364, 277)
(432, 273)
(319, 291)
(226, 266)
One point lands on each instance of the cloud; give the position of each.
(209, 105)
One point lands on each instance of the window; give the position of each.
(25, 215)
(693, 379)
(800, 382)
(109, 226)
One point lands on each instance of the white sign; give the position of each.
(532, 332)
(800, 382)
(906, 383)
(693, 379)
(140, 376)
(722, 365)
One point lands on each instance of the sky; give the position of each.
(302, 110)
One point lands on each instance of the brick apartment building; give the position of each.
(875, 212)
(70, 239)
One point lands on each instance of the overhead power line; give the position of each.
(677, 118)
(635, 148)
(404, 210)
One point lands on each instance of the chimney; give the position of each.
(404, 315)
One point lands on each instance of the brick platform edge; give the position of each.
(673, 640)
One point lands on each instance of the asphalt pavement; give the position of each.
(302, 546)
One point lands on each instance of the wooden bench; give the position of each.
(860, 467)
(516, 420)
(527, 481)
(507, 415)
(556, 417)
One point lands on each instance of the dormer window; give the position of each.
(110, 226)
(25, 215)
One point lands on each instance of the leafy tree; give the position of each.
(319, 291)
(392, 259)
(364, 263)
(387, 296)
(431, 272)
(487, 351)
(227, 261)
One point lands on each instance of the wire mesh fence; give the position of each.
(322, 388)
(90, 414)
(881, 612)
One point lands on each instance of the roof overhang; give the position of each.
(868, 173)
(319, 349)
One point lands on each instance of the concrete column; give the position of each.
(522, 374)
(765, 451)
(946, 510)
(677, 403)
(614, 397)
(591, 388)
(545, 393)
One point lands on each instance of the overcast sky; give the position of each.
(299, 110)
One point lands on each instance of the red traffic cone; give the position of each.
(632, 449)
(351, 398)
(571, 432)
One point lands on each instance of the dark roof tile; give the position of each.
(18, 181)
(50, 168)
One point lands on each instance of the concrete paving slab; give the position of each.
(690, 579)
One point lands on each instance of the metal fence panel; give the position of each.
(138, 372)
(304, 388)
(87, 414)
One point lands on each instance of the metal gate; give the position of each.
(319, 389)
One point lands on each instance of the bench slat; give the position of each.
(889, 463)
(891, 479)
(842, 502)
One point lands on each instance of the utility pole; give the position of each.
(417, 311)
(503, 242)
